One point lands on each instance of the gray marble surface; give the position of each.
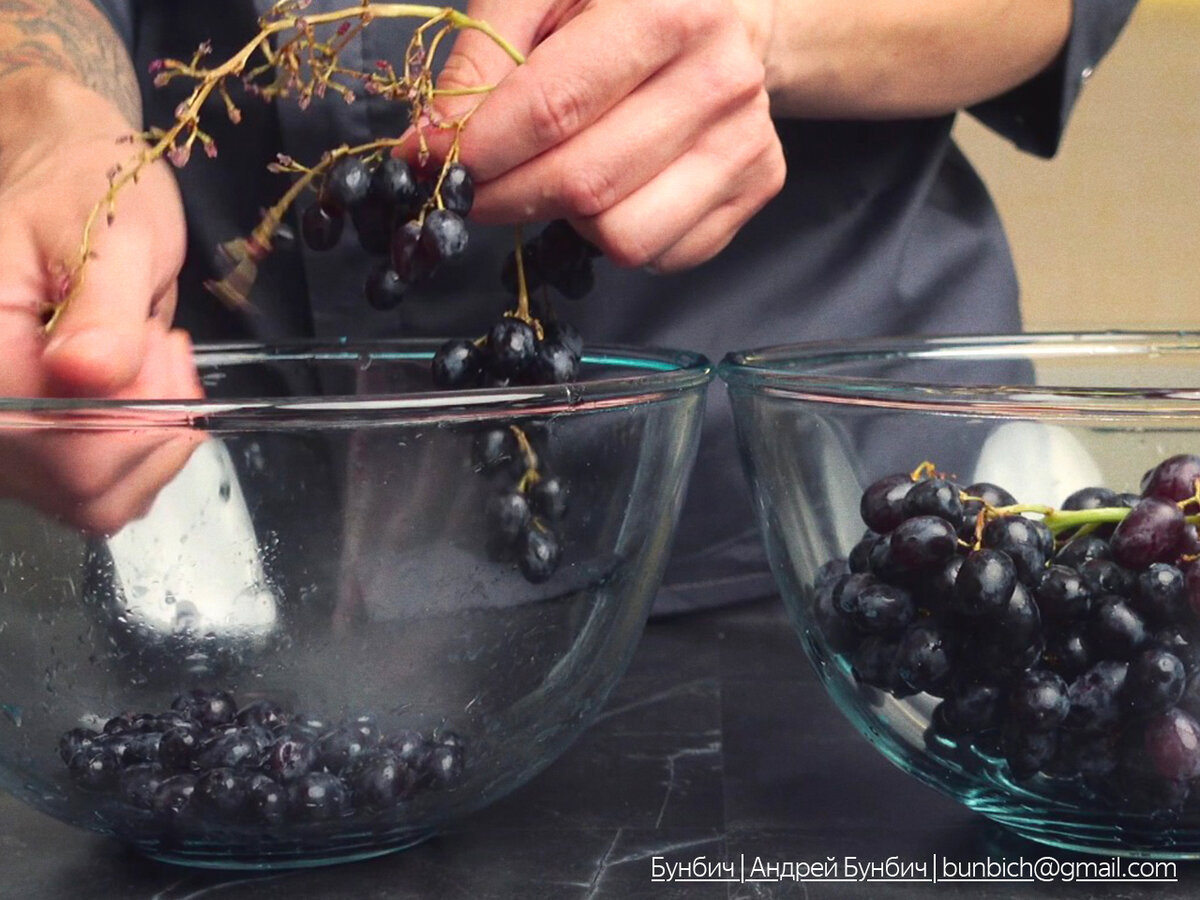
(718, 745)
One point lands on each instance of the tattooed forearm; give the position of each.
(74, 37)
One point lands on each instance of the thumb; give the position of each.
(477, 60)
(98, 344)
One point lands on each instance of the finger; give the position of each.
(738, 174)
(99, 341)
(570, 79)
(627, 147)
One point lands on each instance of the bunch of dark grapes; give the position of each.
(557, 258)
(526, 504)
(206, 762)
(1075, 658)
(519, 350)
(412, 224)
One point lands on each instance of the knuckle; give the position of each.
(556, 110)
(588, 191)
(460, 71)
(624, 247)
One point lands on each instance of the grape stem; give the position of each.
(286, 16)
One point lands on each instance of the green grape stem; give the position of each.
(284, 17)
(1060, 520)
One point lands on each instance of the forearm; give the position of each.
(900, 58)
(71, 38)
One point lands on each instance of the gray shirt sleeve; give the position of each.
(1034, 115)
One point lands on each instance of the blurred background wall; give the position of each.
(1107, 234)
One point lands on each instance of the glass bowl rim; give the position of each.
(794, 371)
(661, 372)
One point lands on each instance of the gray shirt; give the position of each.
(882, 228)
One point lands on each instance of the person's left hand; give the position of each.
(644, 122)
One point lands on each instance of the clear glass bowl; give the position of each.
(938, 682)
(321, 542)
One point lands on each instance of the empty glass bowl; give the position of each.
(328, 609)
(987, 546)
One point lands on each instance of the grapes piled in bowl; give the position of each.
(360, 608)
(989, 548)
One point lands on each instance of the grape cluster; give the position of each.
(207, 761)
(1071, 655)
(413, 224)
(526, 504)
(520, 349)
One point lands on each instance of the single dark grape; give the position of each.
(339, 747)
(935, 497)
(1038, 701)
(410, 747)
(178, 746)
(348, 182)
(220, 793)
(173, 798)
(1105, 576)
(209, 708)
(984, 583)
(95, 768)
(1160, 594)
(1155, 682)
(836, 628)
(394, 183)
(378, 781)
(508, 514)
(317, 797)
(1062, 595)
(443, 236)
(874, 663)
(1022, 540)
(137, 784)
(1172, 744)
(132, 747)
(1081, 549)
(1151, 532)
(555, 363)
(458, 189)
(497, 450)
(539, 554)
(457, 364)
(408, 262)
(972, 707)
(923, 542)
(923, 657)
(384, 289)
(321, 226)
(511, 349)
(1068, 652)
(1096, 701)
(266, 800)
(1115, 629)
(548, 497)
(75, 740)
(290, 756)
(882, 503)
(241, 747)
(444, 764)
(559, 332)
(879, 607)
(1173, 479)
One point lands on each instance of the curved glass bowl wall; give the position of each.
(326, 548)
(1040, 415)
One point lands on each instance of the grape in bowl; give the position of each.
(988, 548)
(364, 607)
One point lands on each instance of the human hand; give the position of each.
(644, 122)
(113, 341)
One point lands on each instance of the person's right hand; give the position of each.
(58, 142)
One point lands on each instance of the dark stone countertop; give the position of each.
(718, 744)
